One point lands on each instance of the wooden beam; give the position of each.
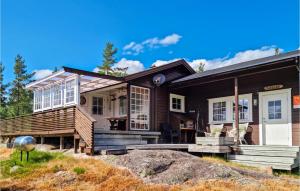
(61, 142)
(236, 112)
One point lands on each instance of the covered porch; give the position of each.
(93, 108)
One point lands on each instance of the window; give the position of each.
(97, 106)
(221, 110)
(176, 103)
(122, 105)
(57, 95)
(274, 109)
(139, 108)
(243, 109)
(38, 100)
(70, 91)
(47, 98)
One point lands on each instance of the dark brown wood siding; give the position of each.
(197, 95)
(159, 96)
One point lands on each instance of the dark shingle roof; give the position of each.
(240, 66)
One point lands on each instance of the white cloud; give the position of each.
(134, 48)
(133, 65)
(96, 70)
(163, 62)
(39, 74)
(239, 57)
(171, 39)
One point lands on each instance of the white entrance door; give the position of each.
(276, 119)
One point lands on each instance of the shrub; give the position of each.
(79, 170)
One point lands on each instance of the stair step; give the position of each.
(99, 142)
(279, 166)
(269, 153)
(269, 148)
(110, 147)
(106, 136)
(264, 159)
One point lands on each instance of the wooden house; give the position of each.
(102, 111)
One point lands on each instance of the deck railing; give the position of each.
(70, 120)
(58, 121)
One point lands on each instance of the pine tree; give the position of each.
(3, 98)
(201, 67)
(108, 59)
(20, 99)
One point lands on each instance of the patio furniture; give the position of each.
(243, 127)
(215, 130)
(117, 123)
(168, 133)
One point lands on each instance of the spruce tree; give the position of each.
(201, 67)
(20, 99)
(3, 98)
(108, 59)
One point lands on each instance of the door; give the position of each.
(275, 118)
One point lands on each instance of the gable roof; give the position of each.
(241, 66)
(159, 69)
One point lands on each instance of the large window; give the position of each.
(70, 91)
(57, 95)
(139, 108)
(176, 103)
(47, 98)
(243, 109)
(38, 100)
(97, 107)
(221, 110)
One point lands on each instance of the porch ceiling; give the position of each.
(88, 80)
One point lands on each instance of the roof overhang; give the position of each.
(89, 81)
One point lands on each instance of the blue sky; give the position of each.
(73, 33)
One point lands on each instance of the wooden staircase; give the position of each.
(277, 157)
(104, 141)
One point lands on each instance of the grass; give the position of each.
(36, 159)
(79, 170)
(55, 172)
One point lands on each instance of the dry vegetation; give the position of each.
(68, 173)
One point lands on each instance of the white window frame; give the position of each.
(229, 108)
(180, 97)
(61, 84)
(34, 99)
(149, 105)
(75, 101)
(97, 97)
(125, 107)
(50, 97)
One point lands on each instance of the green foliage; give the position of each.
(3, 94)
(79, 170)
(20, 99)
(201, 67)
(36, 159)
(108, 59)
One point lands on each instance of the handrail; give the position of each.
(84, 125)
